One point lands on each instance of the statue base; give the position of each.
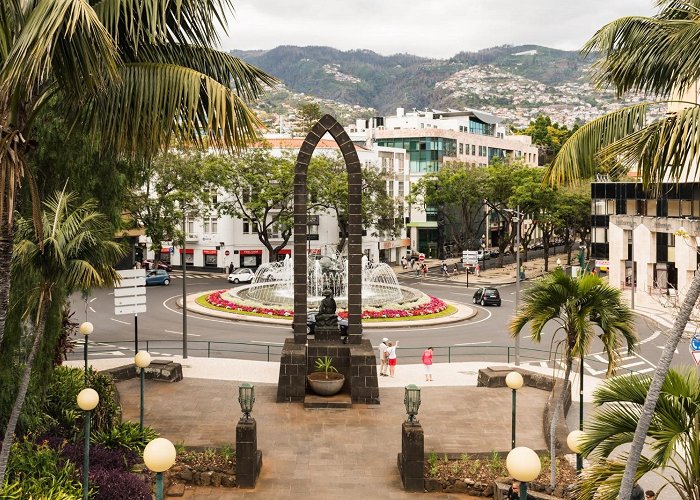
(327, 333)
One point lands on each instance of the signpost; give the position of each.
(130, 297)
(694, 347)
(469, 258)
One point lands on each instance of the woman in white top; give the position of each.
(391, 356)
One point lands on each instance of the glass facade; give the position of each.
(478, 127)
(425, 153)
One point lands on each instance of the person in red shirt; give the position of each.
(427, 359)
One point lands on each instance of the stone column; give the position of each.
(412, 458)
(248, 457)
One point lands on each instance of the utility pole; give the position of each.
(184, 287)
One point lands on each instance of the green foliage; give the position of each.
(456, 468)
(433, 464)
(228, 452)
(62, 409)
(41, 473)
(495, 463)
(549, 136)
(325, 364)
(124, 435)
(308, 113)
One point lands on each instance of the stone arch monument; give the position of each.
(355, 359)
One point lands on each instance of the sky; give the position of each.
(429, 28)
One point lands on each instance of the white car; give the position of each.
(242, 275)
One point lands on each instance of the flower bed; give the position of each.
(428, 306)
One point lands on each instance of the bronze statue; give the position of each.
(326, 316)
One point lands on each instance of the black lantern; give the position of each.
(412, 401)
(246, 397)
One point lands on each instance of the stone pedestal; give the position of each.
(412, 457)
(248, 457)
(327, 333)
(364, 384)
(291, 385)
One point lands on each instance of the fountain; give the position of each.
(273, 284)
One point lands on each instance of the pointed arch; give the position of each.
(352, 163)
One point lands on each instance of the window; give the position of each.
(190, 226)
(401, 191)
(245, 196)
(211, 225)
(274, 232)
(473, 150)
(461, 148)
(248, 227)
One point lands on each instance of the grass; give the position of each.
(202, 301)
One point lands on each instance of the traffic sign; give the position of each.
(421, 257)
(227, 253)
(172, 249)
(134, 309)
(130, 292)
(695, 348)
(470, 257)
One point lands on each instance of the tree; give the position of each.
(674, 433)
(548, 136)
(328, 191)
(307, 114)
(74, 252)
(170, 186)
(136, 75)
(576, 305)
(573, 217)
(656, 56)
(261, 190)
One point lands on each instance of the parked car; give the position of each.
(311, 324)
(242, 275)
(157, 277)
(149, 264)
(487, 296)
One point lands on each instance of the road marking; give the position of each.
(114, 353)
(268, 343)
(93, 299)
(92, 310)
(663, 347)
(120, 321)
(651, 337)
(475, 343)
(180, 333)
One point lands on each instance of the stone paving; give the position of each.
(334, 453)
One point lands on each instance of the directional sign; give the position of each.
(141, 308)
(130, 293)
(470, 257)
(695, 348)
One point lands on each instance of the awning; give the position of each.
(250, 252)
(188, 251)
(429, 224)
(209, 252)
(165, 250)
(285, 251)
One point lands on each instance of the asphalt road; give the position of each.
(484, 337)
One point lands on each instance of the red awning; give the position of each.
(209, 252)
(250, 252)
(189, 250)
(285, 251)
(165, 250)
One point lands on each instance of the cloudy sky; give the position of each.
(431, 28)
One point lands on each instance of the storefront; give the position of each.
(189, 256)
(250, 258)
(210, 258)
(282, 254)
(165, 255)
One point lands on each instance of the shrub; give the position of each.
(61, 405)
(125, 435)
(117, 485)
(41, 472)
(120, 459)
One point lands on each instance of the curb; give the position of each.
(463, 313)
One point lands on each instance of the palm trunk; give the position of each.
(5, 261)
(657, 381)
(22, 391)
(555, 421)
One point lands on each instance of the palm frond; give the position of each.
(577, 158)
(64, 41)
(160, 102)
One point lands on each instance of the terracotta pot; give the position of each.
(326, 386)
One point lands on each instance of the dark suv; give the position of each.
(487, 296)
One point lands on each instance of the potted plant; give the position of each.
(326, 380)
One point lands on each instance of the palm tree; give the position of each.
(74, 252)
(674, 433)
(658, 56)
(136, 74)
(576, 305)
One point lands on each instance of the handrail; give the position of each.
(272, 351)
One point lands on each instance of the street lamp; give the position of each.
(573, 440)
(515, 381)
(483, 252)
(86, 329)
(142, 360)
(558, 262)
(159, 455)
(524, 465)
(246, 398)
(518, 219)
(87, 400)
(411, 400)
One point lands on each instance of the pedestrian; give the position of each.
(513, 491)
(383, 365)
(413, 262)
(419, 267)
(404, 264)
(444, 269)
(391, 356)
(637, 492)
(455, 271)
(427, 359)
(230, 268)
(650, 495)
(522, 272)
(425, 269)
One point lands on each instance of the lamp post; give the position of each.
(246, 398)
(524, 465)
(159, 455)
(573, 441)
(483, 251)
(87, 400)
(515, 381)
(142, 360)
(518, 220)
(86, 329)
(411, 400)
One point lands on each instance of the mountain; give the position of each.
(514, 82)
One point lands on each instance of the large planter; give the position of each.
(326, 385)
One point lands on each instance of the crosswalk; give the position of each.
(596, 365)
(193, 276)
